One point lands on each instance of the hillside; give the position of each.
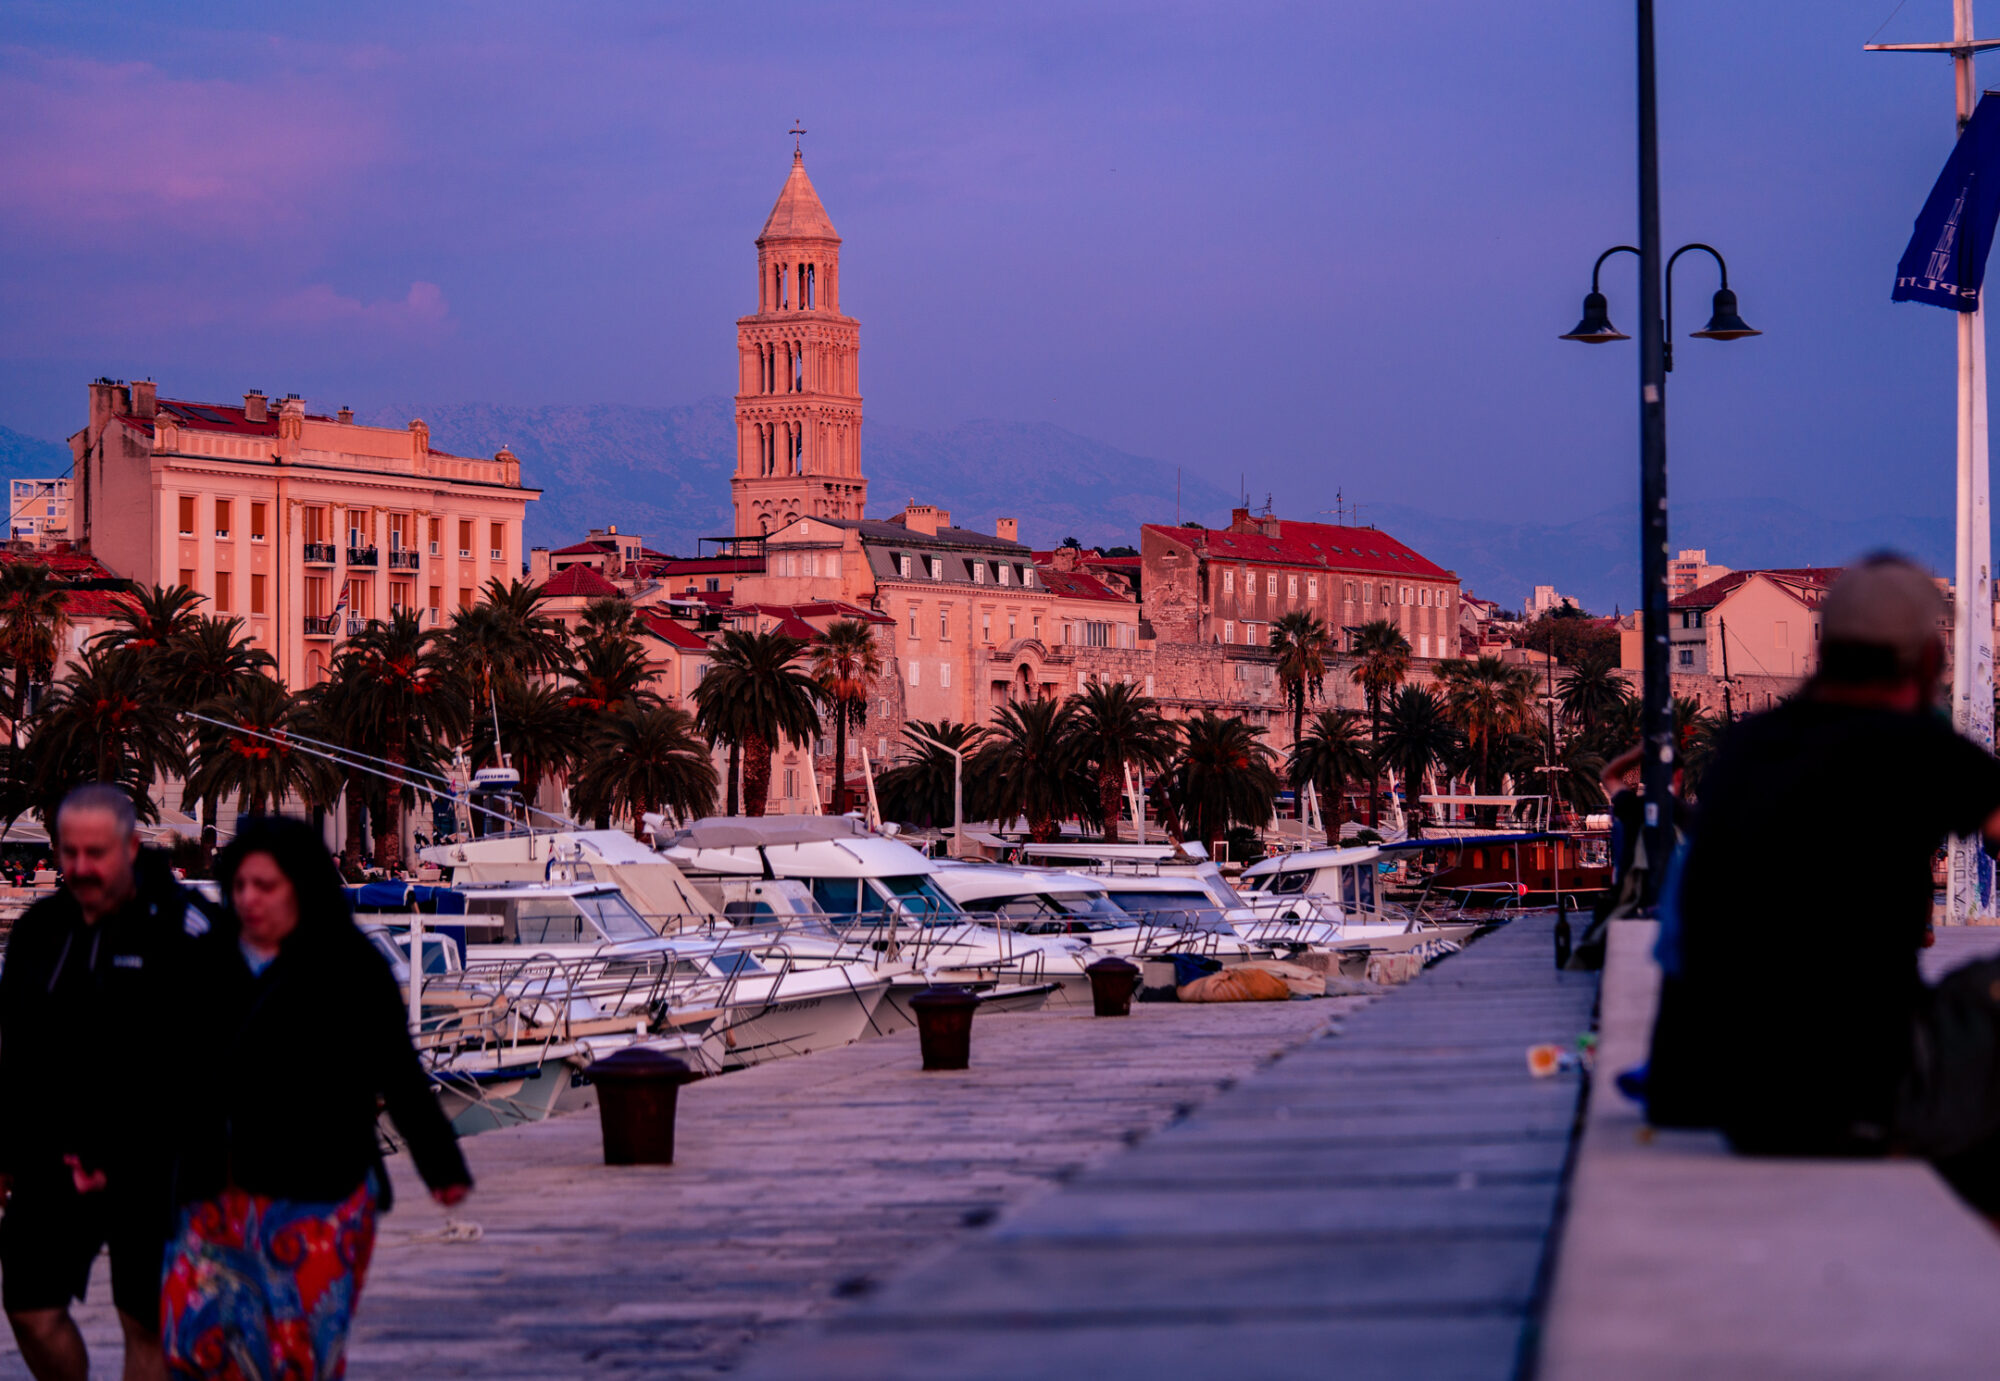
(664, 472)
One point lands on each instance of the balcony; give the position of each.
(355, 626)
(400, 560)
(320, 626)
(361, 556)
(319, 554)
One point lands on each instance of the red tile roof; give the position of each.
(713, 565)
(586, 547)
(578, 582)
(1077, 585)
(1307, 544)
(671, 633)
(817, 609)
(1807, 584)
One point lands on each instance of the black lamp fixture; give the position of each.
(1723, 322)
(1596, 327)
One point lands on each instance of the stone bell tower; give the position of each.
(798, 393)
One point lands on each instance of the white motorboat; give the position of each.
(1346, 878)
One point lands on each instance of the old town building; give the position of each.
(304, 526)
(1226, 585)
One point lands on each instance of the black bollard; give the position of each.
(944, 1025)
(1112, 983)
(638, 1093)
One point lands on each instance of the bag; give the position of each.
(1238, 985)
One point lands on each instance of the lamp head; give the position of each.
(1596, 327)
(1723, 323)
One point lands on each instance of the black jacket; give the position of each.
(288, 1070)
(83, 1012)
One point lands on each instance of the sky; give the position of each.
(1308, 249)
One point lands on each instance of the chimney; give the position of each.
(510, 466)
(1239, 520)
(1066, 558)
(1268, 525)
(145, 398)
(921, 517)
(346, 415)
(1007, 530)
(253, 407)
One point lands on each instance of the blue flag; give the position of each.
(1946, 260)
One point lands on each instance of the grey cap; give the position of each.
(1884, 601)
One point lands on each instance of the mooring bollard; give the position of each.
(638, 1092)
(1112, 983)
(944, 1025)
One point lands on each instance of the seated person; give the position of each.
(1798, 1023)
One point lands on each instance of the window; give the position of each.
(222, 507)
(359, 527)
(1687, 657)
(1011, 617)
(1006, 574)
(985, 626)
(1367, 593)
(465, 537)
(944, 673)
(1424, 596)
(1149, 685)
(1027, 576)
(914, 631)
(257, 521)
(1038, 627)
(361, 599)
(498, 532)
(436, 526)
(1228, 630)
(1406, 594)
(1423, 644)
(316, 607)
(1312, 587)
(978, 572)
(1388, 594)
(402, 594)
(222, 592)
(187, 517)
(913, 672)
(1229, 582)
(257, 594)
(714, 584)
(464, 594)
(944, 623)
(314, 522)
(437, 594)
(1271, 584)
(187, 577)
(1291, 587)
(937, 567)
(903, 564)
(399, 531)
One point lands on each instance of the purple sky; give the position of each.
(1327, 244)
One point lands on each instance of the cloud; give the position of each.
(98, 148)
(422, 311)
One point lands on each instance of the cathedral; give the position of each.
(798, 392)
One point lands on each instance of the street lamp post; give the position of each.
(1655, 359)
(957, 789)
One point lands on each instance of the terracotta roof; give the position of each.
(671, 633)
(1308, 544)
(1076, 585)
(818, 609)
(578, 582)
(713, 565)
(587, 547)
(798, 213)
(1807, 584)
(68, 565)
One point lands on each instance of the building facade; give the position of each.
(798, 391)
(38, 511)
(304, 526)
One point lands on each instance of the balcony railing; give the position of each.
(320, 625)
(319, 554)
(361, 556)
(400, 560)
(355, 626)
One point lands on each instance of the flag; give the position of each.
(1946, 259)
(340, 605)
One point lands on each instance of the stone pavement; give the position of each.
(1378, 1203)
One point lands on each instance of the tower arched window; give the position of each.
(798, 368)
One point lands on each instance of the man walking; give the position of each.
(85, 1007)
(1800, 1024)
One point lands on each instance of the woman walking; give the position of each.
(302, 1038)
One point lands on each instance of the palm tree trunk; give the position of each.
(840, 758)
(1107, 797)
(1374, 758)
(389, 846)
(756, 774)
(350, 852)
(1298, 788)
(735, 776)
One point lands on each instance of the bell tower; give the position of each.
(798, 393)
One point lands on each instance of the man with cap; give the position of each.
(1807, 895)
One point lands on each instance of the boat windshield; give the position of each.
(1219, 888)
(1192, 907)
(1040, 913)
(734, 961)
(916, 895)
(1357, 888)
(1288, 882)
(591, 918)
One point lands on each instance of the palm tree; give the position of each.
(753, 697)
(32, 619)
(106, 722)
(917, 790)
(1331, 754)
(210, 659)
(1115, 727)
(1222, 776)
(648, 758)
(399, 696)
(1028, 764)
(150, 621)
(541, 733)
(1417, 736)
(610, 617)
(1300, 642)
(257, 758)
(503, 641)
(1592, 689)
(1487, 700)
(1382, 660)
(846, 664)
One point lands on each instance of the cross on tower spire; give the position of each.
(797, 131)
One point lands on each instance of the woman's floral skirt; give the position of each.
(259, 1289)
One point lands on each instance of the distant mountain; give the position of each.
(664, 472)
(1596, 559)
(30, 457)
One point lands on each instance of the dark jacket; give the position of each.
(289, 1069)
(83, 1008)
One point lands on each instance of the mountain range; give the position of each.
(664, 473)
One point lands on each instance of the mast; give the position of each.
(1969, 891)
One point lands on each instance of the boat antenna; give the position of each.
(493, 702)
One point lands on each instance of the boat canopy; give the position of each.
(404, 896)
(1446, 841)
(732, 832)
